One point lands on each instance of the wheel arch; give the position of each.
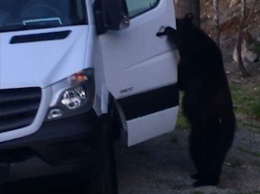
(118, 117)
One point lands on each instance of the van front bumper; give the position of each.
(56, 141)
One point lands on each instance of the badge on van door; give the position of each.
(126, 90)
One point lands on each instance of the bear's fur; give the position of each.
(207, 102)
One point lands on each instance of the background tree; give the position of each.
(242, 32)
(216, 19)
(240, 38)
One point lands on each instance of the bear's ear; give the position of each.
(188, 17)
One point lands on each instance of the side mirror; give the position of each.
(112, 14)
(116, 14)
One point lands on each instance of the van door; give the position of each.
(141, 70)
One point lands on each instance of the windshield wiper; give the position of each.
(17, 27)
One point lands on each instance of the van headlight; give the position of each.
(73, 95)
(74, 98)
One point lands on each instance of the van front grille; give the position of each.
(18, 107)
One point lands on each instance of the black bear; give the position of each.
(207, 102)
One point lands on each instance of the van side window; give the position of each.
(137, 7)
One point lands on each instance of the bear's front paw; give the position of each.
(169, 30)
(160, 34)
(166, 31)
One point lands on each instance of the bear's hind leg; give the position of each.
(197, 150)
(210, 175)
(220, 141)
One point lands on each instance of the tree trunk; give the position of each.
(195, 6)
(240, 39)
(216, 19)
(182, 7)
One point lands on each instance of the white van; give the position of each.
(77, 74)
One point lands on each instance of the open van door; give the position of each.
(141, 70)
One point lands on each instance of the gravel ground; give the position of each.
(162, 165)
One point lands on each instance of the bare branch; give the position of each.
(250, 14)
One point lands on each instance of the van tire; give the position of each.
(104, 180)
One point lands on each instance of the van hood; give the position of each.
(40, 58)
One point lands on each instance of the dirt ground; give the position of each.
(163, 166)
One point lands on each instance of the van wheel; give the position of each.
(104, 180)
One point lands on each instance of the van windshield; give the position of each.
(34, 14)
